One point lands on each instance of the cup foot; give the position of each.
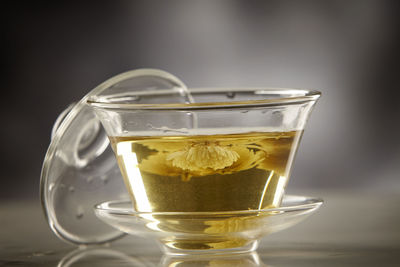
(201, 247)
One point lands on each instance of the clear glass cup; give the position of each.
(226, 150)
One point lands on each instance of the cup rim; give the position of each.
(288, 96)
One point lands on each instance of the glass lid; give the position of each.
(80, 169)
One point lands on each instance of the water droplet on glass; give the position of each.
(165, 129)
(79, 212)
(230, 95)
(51, 186)
(149, 125)
(104, 178)
(264, 111)
(71, 189)
(244, 111)
(125, 131)
(193, 120)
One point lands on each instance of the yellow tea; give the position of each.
(206, 172)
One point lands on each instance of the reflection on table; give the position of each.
(101, 256)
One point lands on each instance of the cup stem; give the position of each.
(170, 248)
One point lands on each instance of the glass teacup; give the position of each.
(232, 149)
(205, 169)
(225, 151)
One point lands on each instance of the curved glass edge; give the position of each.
(98, 255)
(306, 203)
(56, 136)
(44, 198)
(294, 96)
(251, 247)
(268, 221)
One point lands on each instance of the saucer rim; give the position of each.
(306, 203)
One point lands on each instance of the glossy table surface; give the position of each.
(358, 228)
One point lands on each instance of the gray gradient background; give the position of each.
(55, 53)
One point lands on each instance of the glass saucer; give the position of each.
(207, 232)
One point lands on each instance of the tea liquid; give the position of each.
(206, 172)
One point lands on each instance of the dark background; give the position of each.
(55, 53)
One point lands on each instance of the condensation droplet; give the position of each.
(71, 189)
(244, 111)
(104, 178)
(149, 125)
(79, 212)
(51, 186)
(125, 131)
(230, 95)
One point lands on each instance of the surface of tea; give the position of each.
(206, 172)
